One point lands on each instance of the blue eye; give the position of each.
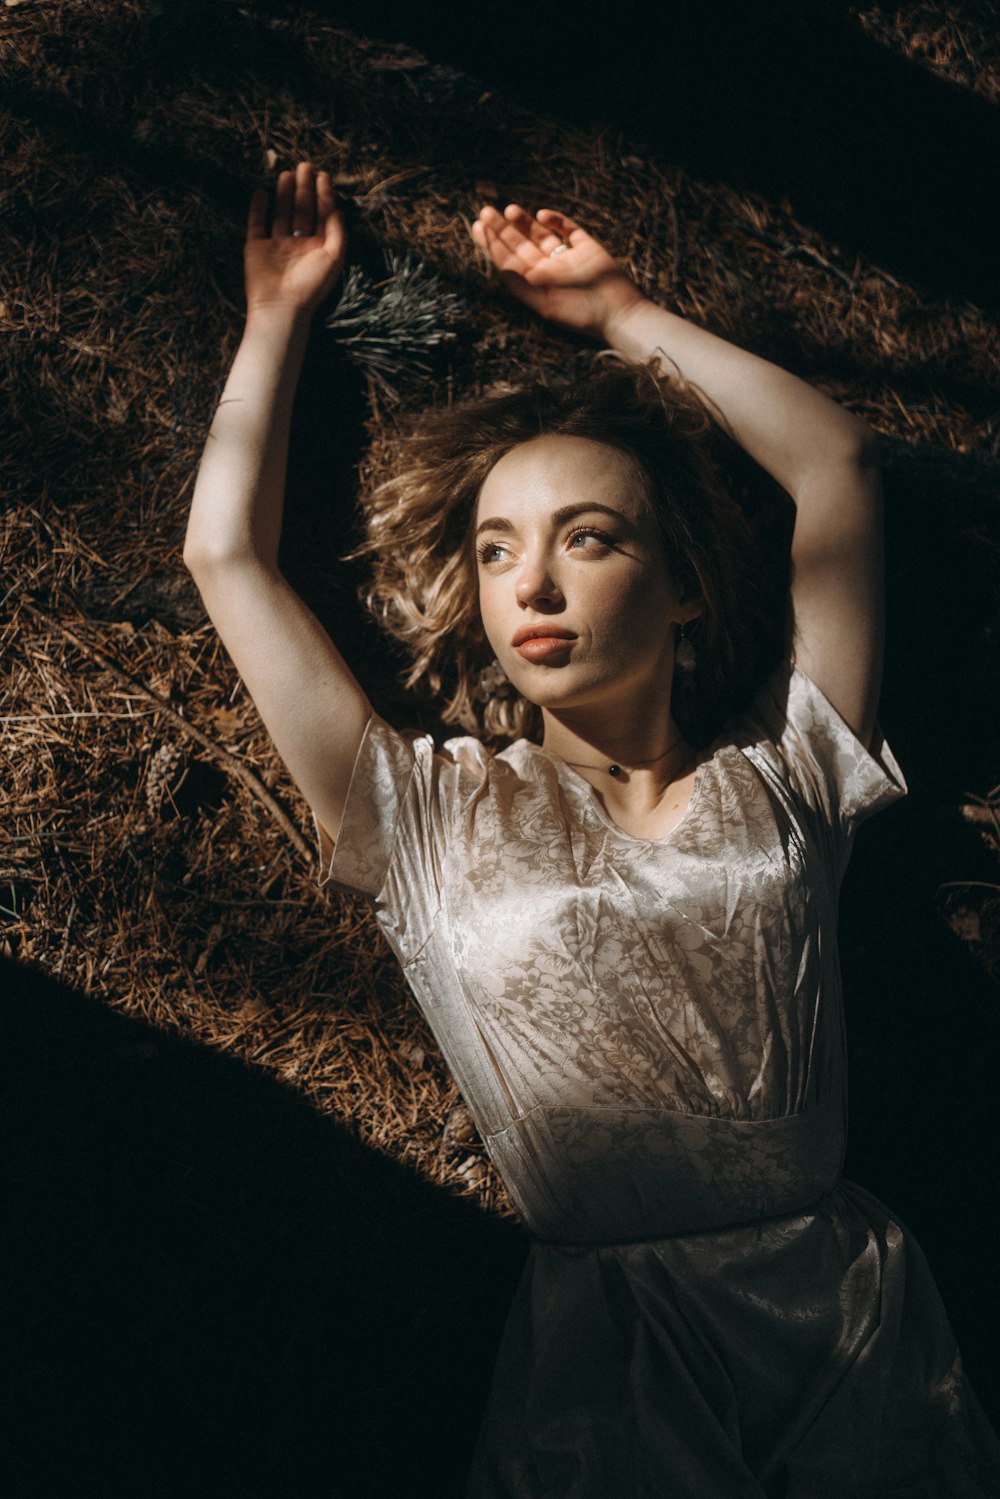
(486, 549)
(601, 537)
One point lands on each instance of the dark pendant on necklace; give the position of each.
(614, 770)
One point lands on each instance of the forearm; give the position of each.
(789, 428)
(236, 509)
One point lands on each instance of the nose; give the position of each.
(536, 587)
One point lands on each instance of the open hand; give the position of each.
(297, 264)
(555, 267)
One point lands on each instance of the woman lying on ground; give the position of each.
(622, 927)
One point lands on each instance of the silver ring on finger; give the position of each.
(300, 234)
(559, 249)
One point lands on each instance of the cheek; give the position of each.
(490, 610)
(633, 624)
(633, 604)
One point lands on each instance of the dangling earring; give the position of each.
(493, 682)
(685, 655)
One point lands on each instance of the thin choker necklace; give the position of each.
(616, 770)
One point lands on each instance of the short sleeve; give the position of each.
(382, 771)
(834, 780)
(394, 831)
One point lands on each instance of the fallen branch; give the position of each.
(215, 751)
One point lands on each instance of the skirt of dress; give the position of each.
(808, 1357)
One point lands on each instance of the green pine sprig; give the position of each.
(395, 329)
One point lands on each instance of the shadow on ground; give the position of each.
(212, 1290)
(923, 1019)
(790, 100)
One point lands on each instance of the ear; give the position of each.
(689, 609)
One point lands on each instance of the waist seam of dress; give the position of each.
(809, 1207)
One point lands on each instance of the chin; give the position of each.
(555, 693)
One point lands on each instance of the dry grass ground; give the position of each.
(154, 855)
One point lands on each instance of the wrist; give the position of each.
(278, 319)
(628, 305)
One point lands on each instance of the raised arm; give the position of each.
(825, 458)
(310, 702)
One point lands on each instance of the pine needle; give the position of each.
(395, 330)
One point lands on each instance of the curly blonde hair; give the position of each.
(419, 525)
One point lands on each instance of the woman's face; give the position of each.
(574, 590)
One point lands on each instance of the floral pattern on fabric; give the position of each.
(649, 1036)
(564, 963)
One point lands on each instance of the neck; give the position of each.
(648, 751)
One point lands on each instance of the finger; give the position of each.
(503, 254)
(540, 234)
(483, 233)
(513, 280)
(483, 230)
(561, 224)
(519, 219)
(284, 202)
(329, 219)
(335, 238)
(257, 214)
(305, 199)
(324, 197)
(517, 250)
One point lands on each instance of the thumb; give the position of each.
(334, 239)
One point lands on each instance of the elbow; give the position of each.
(856, 447)
(197, 546)
(202, 564)
(218, 567)
(195, 559)
(205, 556)
(852, 461)
(865, 447)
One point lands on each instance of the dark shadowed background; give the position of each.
(250, 1243)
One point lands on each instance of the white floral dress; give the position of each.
(649, 1035)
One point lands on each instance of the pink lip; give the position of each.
(538, 632)
(543, 647)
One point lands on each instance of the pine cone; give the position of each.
(459, 1131)
(168, 770)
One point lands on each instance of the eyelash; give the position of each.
(592, 531)
(485, 547)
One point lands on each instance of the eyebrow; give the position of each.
(500, 522)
